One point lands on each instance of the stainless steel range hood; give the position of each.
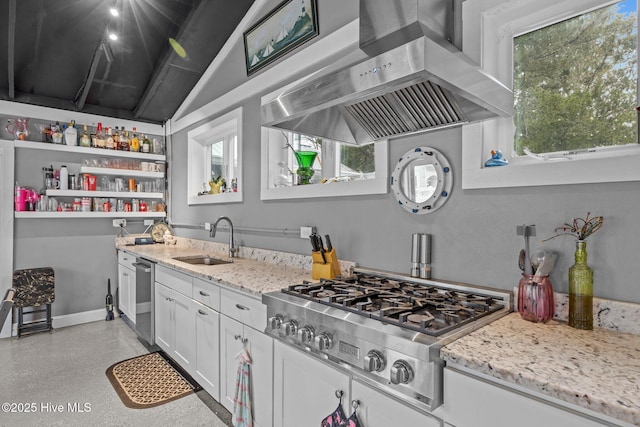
(419, 85)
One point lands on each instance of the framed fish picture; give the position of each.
(289, 25)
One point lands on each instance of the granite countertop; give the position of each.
(255, 271)
(598, 370)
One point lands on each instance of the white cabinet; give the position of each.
(474, 402)
(184, 349)
(164, 325)
(207, 361)
(187, 325)
(127, 286)
(376, 409)
(242, 318)
(304, 388)
(175, 325)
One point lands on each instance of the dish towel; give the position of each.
(242, 416)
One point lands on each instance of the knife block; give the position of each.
(322, 270)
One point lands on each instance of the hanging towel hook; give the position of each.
(355, 404)
(339, 394)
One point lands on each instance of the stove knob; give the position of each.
(401, 372)
(324, 341)
(306, 334)
(374, 361)
(276, 321)
(289, 328)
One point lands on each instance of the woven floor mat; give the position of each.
(147, 381)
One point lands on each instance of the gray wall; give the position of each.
(474, 234)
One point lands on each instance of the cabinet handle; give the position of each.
(239, 337)
(202, 312)
(204, 294)
(241, 307)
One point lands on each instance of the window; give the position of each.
(573, 68)
(574, 82)
(214, 151)
(338, 168)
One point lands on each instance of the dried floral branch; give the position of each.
(580, 228)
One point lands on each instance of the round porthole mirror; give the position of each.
(422, 180)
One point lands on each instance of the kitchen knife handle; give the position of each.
(328, 240)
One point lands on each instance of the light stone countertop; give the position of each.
(598, 370)
(255, 271)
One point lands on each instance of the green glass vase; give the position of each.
(581, 290)
(305, 161)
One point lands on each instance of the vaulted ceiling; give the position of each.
(58, 53)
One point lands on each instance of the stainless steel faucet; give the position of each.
(232, 245)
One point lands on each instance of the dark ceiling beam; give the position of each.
(68, 105)
(89, 80)
(161, 68)
(11, 48)
(35, 61)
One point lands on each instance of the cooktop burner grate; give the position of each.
(425, 308)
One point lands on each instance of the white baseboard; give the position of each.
(65, 320)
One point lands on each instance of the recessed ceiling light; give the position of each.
(113, 36)
(114, 11)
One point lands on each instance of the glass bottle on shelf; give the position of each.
(116, 138)
(56, 133)
(134, 142)
(146, 144)
(109, 141)
(85, 139)
(100, 137)
(71, 134)
(124, 140)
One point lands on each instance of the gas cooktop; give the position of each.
(386, 328)
(423, 307)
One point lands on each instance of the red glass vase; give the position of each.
(535, 298)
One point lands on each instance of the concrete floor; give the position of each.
(49, 373)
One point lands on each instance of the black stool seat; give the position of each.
(34, 287)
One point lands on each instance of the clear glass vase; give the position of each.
(535, 298)
(581, 290)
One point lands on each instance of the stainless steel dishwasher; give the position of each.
(145, 279)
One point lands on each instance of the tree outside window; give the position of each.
(575, 82)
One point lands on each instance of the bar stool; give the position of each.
(34, 288)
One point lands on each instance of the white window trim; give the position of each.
(198, 147)
(379, 185)
(488, 31)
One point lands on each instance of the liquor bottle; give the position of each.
(116, 138)
(134, 142)
(100, 137)
(124, 140)
(146, 144)
(71, 134)
(109, 142)
(56, 133)
(85, 139)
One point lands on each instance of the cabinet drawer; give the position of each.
(126, 259)
(243, 308)
(175, 280)
(207, 293)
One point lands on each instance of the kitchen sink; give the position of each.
(202, 259)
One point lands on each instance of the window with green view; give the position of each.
(576, 82)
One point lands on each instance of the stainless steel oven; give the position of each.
(145, 279)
